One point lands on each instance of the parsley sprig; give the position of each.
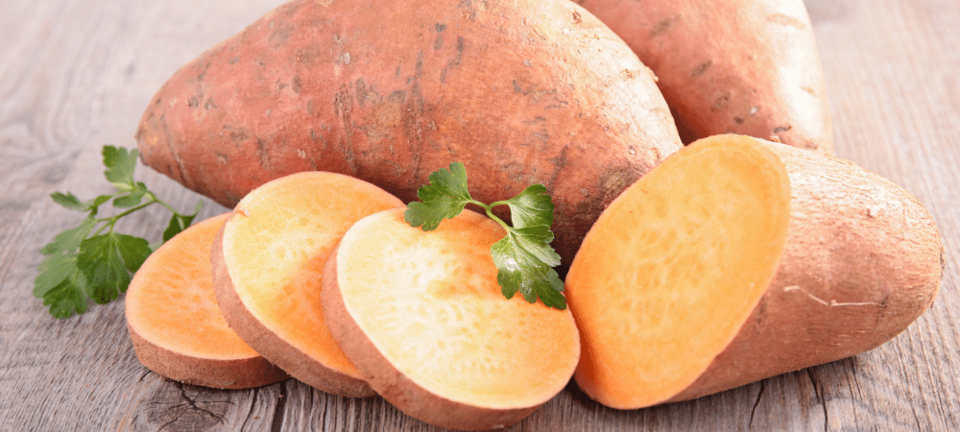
(524, 257)
(91, 260)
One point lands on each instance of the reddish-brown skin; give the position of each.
(863, 260)
(262, 340)
(393, 385)
(521, 91)
(739, 66)
(224, 374)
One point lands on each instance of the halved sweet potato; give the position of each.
(174, 322)
(267, 267)
(739, 259)
(422, 317)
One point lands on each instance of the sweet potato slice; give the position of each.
(174, 322)
(738, 259)
(267, 267)
(422, 317)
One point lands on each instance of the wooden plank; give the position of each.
(76, 75)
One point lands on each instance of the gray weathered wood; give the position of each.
(75, 75)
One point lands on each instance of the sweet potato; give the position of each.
(738, 259)
(267, 266)
(744, 66)
(174, 322)
(521, 91)
(422, 317)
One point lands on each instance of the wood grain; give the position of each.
(75, 75)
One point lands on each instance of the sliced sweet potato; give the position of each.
(737, 66)
(174, 322)
(422, 317)
(521, 91)
(738, 259)
(267, 267)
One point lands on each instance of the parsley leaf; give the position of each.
(120, 165)
(533, 207)
(83, 262)
(524, 257)
(443, 198)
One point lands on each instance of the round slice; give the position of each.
(739, 259)
(268, 265)
(174, 322)
(423, 318)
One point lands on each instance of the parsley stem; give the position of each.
(489, 210)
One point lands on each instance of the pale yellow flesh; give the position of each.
(673, 268)
(171, 300)
(275, 247)
(431, 305)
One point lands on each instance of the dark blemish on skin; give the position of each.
(577, 19)
(209, 105)
(437, 44)
(516, 87)
(193, 102)
(664, 26)
(397, 73)
(780, 129)
(264, 156)
(296, 84)
(455, 61)
(738, 120)
(721, 102)
(234, 60)
(701, 68)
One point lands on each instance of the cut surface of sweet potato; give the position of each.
(268, 264)
(739, 259)
(673, 268)
(423, 318)
(174, 322)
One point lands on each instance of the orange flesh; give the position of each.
(674, 267)
(171, 301)
(275, 247)
(431, 305)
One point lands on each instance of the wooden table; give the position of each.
(75, 75)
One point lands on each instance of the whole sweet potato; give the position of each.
(521, 91)
(743, 66)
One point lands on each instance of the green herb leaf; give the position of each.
(61, 286)
(532, 207)
(106, 261)
(443, 198)
(524, 257)
(134, 198)
(67, 298)
(79, 266)
(179, 222)
(69, 240)
(120, 165)
(69, 201)
(524, 263)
